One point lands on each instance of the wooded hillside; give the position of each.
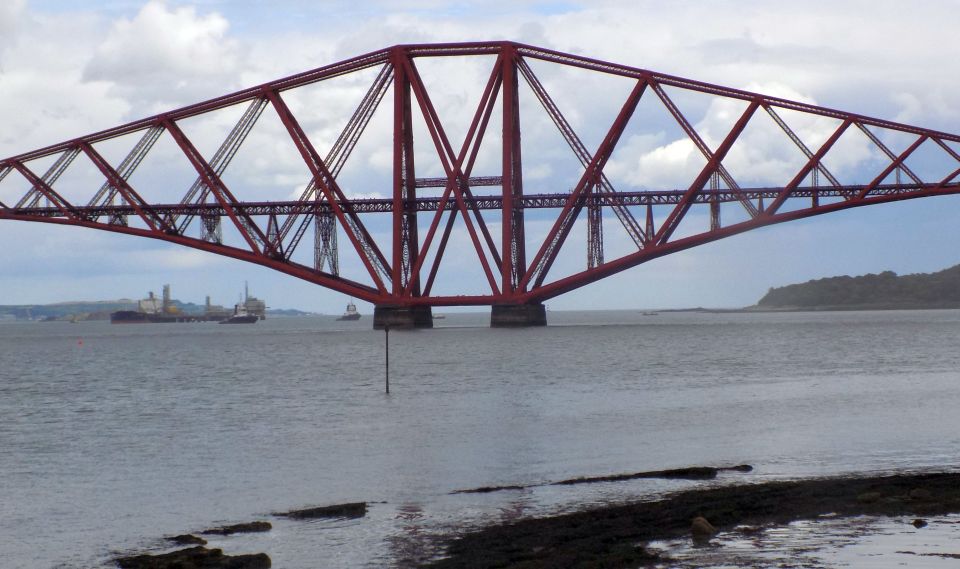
(884, 290)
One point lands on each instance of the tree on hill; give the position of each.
(886, 289)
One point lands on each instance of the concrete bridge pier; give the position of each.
(517, 315)
(402, 317)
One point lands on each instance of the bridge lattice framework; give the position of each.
(400, 274)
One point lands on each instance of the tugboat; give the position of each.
(246, 311)
(240, 316)
(351, 313)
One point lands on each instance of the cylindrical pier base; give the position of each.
(402, 317)
(517, 315)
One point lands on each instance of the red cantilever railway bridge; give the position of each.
(398, 270)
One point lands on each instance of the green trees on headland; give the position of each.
(884, 290)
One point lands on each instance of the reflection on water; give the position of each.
(826, 542)
(410, 544)
(143, 431)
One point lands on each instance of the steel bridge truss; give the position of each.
(401, 270)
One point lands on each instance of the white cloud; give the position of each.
(44, 99)
(167, 56)
(10, 13)
(665, 167)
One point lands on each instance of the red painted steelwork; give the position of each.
(270, 231)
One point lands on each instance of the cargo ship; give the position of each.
(137, 317)
(153, 310)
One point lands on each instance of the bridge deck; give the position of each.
(493, 202)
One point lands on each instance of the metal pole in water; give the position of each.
(386, 338)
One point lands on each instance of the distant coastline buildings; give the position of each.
(164, 309)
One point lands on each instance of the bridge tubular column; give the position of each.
(517, 315)
(514, 262)
(594, 232)
(714, 204)
(406, 243)
(210, 230)
(325, 250)
(273, 232)
(815, 192)
(402, 317)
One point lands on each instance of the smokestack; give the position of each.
(166, 298)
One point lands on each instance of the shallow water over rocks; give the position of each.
(826, 542)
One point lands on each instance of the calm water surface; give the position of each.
(112, 437)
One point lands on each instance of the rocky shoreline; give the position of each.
(688, 473)
(616, 536)
(195, 558)
(199, 557)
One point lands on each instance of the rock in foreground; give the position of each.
(702, 530)
(351, 510)
(195, 558)
(249, 527)
(186, 539)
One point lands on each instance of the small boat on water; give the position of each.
(240, 316)
(351, 313)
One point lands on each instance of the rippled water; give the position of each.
(825, 543)
(114, 436)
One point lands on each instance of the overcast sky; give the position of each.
(70, 68)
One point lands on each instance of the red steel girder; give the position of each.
(591, 176)
(811, 163)
(450, 165)
(49, 178)
(513, 261)
(713, 165)
(503, 261)
(799, 143)
(578, 280)
(130, 162)
(337, 156)
(199, 191)
(897, 163)
(881, 194)
(248, 229)
(346, 286)
(40, 187)
(382, 56)
(623, 214)
(468, 153)
(406, 243)
(718, 90)
(702, 146)
(550, 290)
(119, 183)
(369, 253)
